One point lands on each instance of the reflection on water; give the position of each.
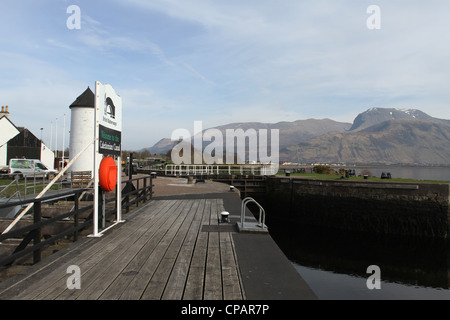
(334, 263)
(335, 286)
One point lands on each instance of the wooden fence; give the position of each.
(134, 191)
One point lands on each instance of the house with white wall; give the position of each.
(18, 142)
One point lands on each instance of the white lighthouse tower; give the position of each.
(82, 131)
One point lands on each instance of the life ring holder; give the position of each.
(107, 174)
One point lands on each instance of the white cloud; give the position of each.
(198, 74)
(94, 35)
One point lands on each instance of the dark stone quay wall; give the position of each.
(412, 209)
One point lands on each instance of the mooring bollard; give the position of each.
(224, 217)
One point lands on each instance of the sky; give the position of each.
(174, 62)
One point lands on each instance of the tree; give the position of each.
(323, 169)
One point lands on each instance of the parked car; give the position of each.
(29, 168)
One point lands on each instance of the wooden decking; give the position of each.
(167, 249)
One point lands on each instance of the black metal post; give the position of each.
(130, 166)
(137, 193)
(127, 198)
(100, 206)
(145, 189)
(75, 217)
(151, 187)
(37, 216)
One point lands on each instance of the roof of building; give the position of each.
(85, 100)
(5, 133)
(9, 120)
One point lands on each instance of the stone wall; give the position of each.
(417, 209)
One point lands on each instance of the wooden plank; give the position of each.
(121, 286)
(52, 271)
(81, 261)
(177, 281)
(230, 274)
(93, 265)
(139, 282)
(161, 253)
(232, 288)
(80, 179)
(159, 280)
(195, 280)
(114, 264)
(213, 275)
(120, 283)
(31, 284)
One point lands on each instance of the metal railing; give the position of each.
(193, 169)
(141, 188)
(261, 217)
(135, 191)
(33, 232)
(29, 184)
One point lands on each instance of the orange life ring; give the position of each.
(107, 174)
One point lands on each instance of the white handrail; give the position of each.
(262, 213)
(14, 181)
(186, 169)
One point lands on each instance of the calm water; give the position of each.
(334, 286)
(334, 263)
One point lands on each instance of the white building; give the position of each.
(82, 131)
(19, 142)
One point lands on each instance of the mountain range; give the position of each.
(377, 135)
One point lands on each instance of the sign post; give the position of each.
(108, 139)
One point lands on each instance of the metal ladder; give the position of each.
(258, 226)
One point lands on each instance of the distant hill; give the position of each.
(380, 135)
(161, 147)
(377, 115)
(377, 135)
(392, 142)
(290, 132)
